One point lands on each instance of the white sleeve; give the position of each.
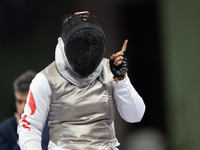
(35, 113)
(129, 103)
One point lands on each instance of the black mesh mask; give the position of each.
(84, 42)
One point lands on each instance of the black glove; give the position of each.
(120, 70)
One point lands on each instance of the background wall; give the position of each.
(163, 55)
(181, 62)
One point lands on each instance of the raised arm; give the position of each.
(129, 103)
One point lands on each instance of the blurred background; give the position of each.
(163, 55)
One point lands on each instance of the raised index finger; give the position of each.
(124, 46)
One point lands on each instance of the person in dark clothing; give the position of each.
(8, 128)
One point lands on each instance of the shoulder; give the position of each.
(106, 61)
(8, 124)
(8, 134)
(41, 79)
(106, 64)
(40, 85)
(106, 72)
(50, 70)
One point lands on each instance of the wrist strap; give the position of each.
(116, 79)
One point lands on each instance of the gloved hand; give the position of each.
(118, 63)
(120, 70)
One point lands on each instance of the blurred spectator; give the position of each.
(8, 128)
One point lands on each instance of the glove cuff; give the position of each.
(119, 78)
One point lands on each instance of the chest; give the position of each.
(81, 105)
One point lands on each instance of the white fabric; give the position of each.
(129, 103)
(32, 145)
(130, 106)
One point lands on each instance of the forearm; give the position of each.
(32, 145)
(129, 103)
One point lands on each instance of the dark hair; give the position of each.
(22, 83)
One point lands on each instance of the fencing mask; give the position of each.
(84, 42)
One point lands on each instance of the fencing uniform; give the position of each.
(80, 107)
